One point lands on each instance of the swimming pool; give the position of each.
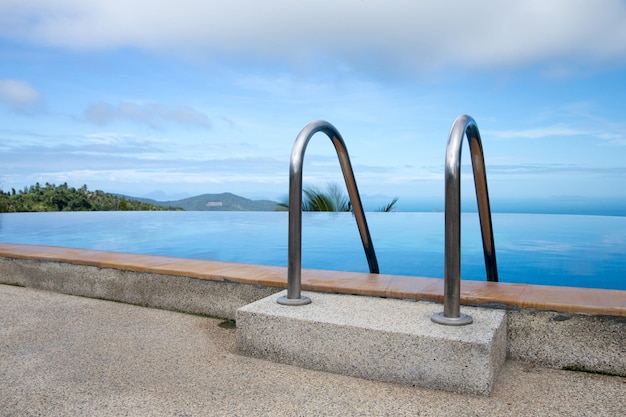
(570, 250)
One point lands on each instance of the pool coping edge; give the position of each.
(473, 293)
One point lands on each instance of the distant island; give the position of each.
(218, 202)
(50, 197)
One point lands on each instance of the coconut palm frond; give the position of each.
(331, 199)
(389, 207)
(341, 202)
(316, 200)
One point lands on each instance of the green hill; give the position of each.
(51, 197)
(220, 202)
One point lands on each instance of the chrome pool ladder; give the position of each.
(294, 250)
(463, 125)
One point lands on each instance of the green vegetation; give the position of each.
(63, 198)
(391, 206)
(332, 199)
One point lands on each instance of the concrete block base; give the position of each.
(376, 338)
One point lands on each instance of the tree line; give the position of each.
(51, 197)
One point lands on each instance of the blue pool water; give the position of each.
(569, 250)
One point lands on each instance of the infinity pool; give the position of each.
(569, 250)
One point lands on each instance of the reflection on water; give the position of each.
(586, 251)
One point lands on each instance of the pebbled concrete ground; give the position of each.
(62, 355)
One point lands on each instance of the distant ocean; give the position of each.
(557, 205)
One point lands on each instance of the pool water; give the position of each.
(569, 250)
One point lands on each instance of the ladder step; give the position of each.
(377, 338)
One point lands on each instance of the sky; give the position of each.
(173, 99)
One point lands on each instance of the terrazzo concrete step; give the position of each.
(376, 338)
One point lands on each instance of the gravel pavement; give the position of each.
(63, 355)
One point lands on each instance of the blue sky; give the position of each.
(193, 97)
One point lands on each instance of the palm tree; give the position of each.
(332, 199)
(389, 207)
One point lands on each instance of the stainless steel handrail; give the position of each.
(463, 125)
(294, 266)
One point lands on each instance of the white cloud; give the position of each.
(537, 133)
(610, 133)
(552, 169)
(137, 181)
(614, 138)
(122, 140)
(20, 96)
(412, 34)
(153, 115)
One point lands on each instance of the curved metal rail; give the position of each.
(294, 266)
(463, 125)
